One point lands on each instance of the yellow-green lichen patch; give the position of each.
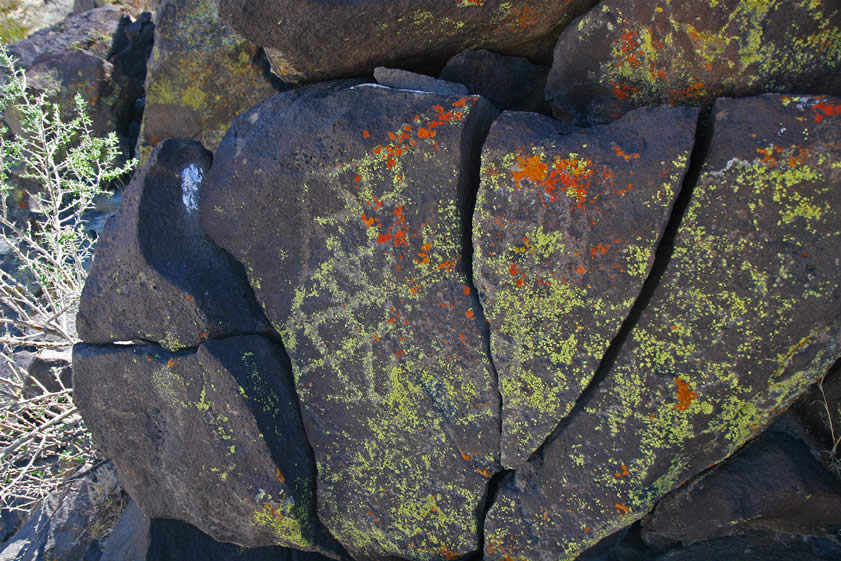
(743, 320)
(558, 266)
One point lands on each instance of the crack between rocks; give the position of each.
(662, 257)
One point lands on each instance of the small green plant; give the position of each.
(42, 437)
(833, 459)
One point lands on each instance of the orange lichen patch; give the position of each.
(532, 169)
(623, 472)
(366, 134)
(280, 476)
(822, 110)
(464, 456)
(368, 220)
(685, 396)
(623, 91)
(768, 155)
(512, 270)
(621, 153)
(423, 254)
(694, 92)
(467, 291)
(622, 509)
(600, 249)
(469, 314)
(581, 269)
(149, 358)
(796, 160)
(448, 554)
(484, 472)
(448, 265)
(170, 362)
(189, 297)
(586, 529)
(203, 336)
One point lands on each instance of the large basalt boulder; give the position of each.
(349, 209)
(201, 75)
(745, 317)
(625, 54)
(155, 275)
(565, 231)
(212, 436)
(315, 40)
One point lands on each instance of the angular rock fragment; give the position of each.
(155, 275)
(201, 75)
(211, 436)
(625, 54)
(509, 82)
(314, 40)
(746, 316)
(405, 80)
(565, 231)
(347, 208)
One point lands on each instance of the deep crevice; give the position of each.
(662, 258)
(494, 485)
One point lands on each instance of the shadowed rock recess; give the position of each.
(388, 324)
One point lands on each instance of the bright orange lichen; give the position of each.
(685, 396)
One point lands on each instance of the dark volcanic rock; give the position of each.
(315, 40)
(201, 75)
(758, 547)
(510, 82)
(403, 79)
(565, 231)
(773, 484)
(745, 317)
(347, 208)
(212, 436)
(625, 54)
(155, 275)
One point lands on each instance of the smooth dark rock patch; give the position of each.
(565, 230)
(625, 54)
(509, 82)
(405, 80)
(313, 40)
(212, 436)
(765, 547)
(347, 208)
(201, 75)
(773, 484)
(746, 316)
(155, 275)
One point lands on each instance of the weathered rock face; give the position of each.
(315, 40)
(625, 54)
(201, 75)
(565, 231)
(211, 436)
(744, 318)
(156, 276)
(360, 265)
(773, 484)
(509, 82)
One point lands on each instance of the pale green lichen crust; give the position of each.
(745, 318)
(565, 230)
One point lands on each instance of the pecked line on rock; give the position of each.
(663, 254)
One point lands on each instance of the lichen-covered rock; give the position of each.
(509, 82)
(211, 436)
(201, 75)
(746, 316)
(315, 40)
(565, 231)
(349, 209)
(625, 54)
(155, 275)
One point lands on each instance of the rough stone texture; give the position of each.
(172, 540)
(403, 79)
(51, 369)
(565, 230)
(625, 54)
(744, 319)
(510, 82)
(155, 275)
(23, 17)
(133, 7)
(201, 75)
(71, 524)
(211, 436)
(315, 40)
(359, 264)
(820, 409)
(764, 547)
(774, 484)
